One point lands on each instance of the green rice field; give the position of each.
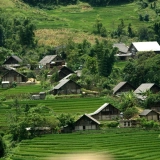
(122, 144)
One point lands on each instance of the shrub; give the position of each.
(112, 124)
(130, 112)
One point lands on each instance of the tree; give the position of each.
(66, 119)
(130, 31)
(2, 147)
(2, 40)
(26, 33)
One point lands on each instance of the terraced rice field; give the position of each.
(123, 144)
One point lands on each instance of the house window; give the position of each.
(129, 124)
(124, 123)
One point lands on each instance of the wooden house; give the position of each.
(14, 76)
(144, 47)
(64, 71)
(150, 114)
(13, 61)
(66, 86)
(50, 61)
(86, 122)
(144, 87)
(122, 87)
(106, 112)
(123, 53)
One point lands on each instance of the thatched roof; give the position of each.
(146, 112)
(120, 85)
(47, 59)
(144, 87)
(100, 109)
(62, 83)
(14, 71)
(14, 57)
(88, 116)
(121, 47)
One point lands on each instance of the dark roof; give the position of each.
(15, 57)
(146, 112)
(62, 67)
(47, 59)
(62, 83)
(119, 86)
(121, 47)
(144, 87)
(100, 109)
(14, 71)
(86, 115)
(66, 77)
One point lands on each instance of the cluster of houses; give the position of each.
(9, 70)
(9, 74)
(107, 111)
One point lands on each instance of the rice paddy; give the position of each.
(122, 144)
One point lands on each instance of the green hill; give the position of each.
(77, 20)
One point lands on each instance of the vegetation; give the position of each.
(125, 144)
(30, 29)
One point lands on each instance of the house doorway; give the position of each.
(84, 127)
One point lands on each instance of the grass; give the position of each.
(19, 91)
(77, 21)
(123, 144)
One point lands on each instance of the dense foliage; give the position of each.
(144, 69)
(16, 33)
(2, 147)
(50, 2)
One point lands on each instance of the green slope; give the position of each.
(81, 16)
(123, 144)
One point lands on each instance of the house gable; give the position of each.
(123, 87)
(13, 61)
(86, 122)
(147, 86)
(14, 76)
(106, 112)
(144, 47)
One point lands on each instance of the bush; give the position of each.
(112, 124)
(130, 112)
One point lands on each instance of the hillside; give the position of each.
(77, 21)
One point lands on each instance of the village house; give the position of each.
(122, 87)
(106, 112)
(144, 47)
(64, 71)
(49, 61)
(144, 87)
(86, 122)
(14, 76)
(150, 114)
(66, 86)
(13, 61)
(123, 53)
